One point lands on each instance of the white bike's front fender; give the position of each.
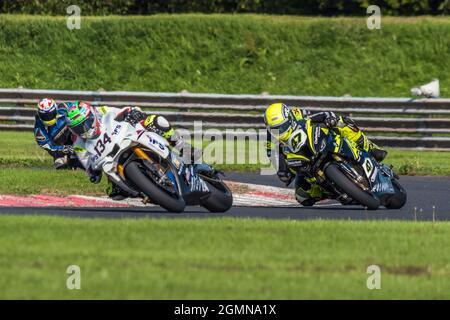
(154, 142)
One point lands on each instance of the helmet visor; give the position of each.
(281, 131)
(48, 118)
(85, 128)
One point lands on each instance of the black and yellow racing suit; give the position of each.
(292, 165)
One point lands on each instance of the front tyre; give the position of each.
(147, 186)
(398, 199)
(334, 174)
(220, 198)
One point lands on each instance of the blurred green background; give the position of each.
(226, 54)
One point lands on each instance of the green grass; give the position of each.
(26, 181)
(420, 162)
(226, 54)
(26, 169)
(241, 259)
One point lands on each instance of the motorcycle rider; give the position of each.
(85, 120)
(51, 132)
(282, 122)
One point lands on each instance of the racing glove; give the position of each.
(68, 150)
(331, 119)
(134, 116)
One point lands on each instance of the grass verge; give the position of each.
(241, 259)
(226, 54)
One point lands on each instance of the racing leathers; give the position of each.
(133, 115)
(55, 139)
(294, 165)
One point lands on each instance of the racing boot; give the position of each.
(375, 151)
(349, 129)
(60, 163)
(378, 153)
(74, 163)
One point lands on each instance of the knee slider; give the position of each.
(301, 195)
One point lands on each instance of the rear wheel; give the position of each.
(347, 186)
(170, 202)
(220, 198)
(398, 199)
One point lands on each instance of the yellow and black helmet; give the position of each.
(280, 121)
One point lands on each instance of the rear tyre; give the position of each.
(398, 199)
(346, 185)
(220, 199)
(147, 186)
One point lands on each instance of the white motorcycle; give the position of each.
(143, 165)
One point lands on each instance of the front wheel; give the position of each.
(334, 174)
(398, 199)
(220, 198)
(171, 203)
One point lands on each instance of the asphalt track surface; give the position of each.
(423, 194)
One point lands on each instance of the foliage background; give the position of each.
(298, 7)
(226, 54)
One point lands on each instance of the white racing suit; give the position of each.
(154, 123)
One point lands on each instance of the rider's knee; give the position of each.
(301, 182)
(301, 188)
(306, 191)
(301, 195)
